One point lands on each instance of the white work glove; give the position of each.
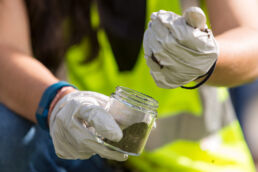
(74, 123)
(179, 49)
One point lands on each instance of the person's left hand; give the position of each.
(78, 123)
(179, 49)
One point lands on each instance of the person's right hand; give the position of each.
(75, 122)
(179, 49)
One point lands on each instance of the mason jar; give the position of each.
(135, 113)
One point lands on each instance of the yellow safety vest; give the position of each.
(196, 130)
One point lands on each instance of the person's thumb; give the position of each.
(195, 17)
(102, 121)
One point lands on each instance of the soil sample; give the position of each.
(134, 138)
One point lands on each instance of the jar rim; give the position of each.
(136, 99)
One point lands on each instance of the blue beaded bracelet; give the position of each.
(45, 101)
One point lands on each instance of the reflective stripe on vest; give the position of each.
(216, 116)
(194, 130)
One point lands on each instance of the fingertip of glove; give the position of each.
(195, 17)
(105, 125)
(115, 135)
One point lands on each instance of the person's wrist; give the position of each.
(202, 79)
(47, 97)
(60, 94)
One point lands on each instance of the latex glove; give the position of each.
(75, 122)
(179, 49)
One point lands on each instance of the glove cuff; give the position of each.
(208, 74)
(45, 101)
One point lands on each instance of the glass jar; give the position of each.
(135, 113)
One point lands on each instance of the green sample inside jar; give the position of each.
(134, 138)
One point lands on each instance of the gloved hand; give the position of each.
(179, 49)
(75, 122)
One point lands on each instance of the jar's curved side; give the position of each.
(135, 113)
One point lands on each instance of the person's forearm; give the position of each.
(238, 59)
(235, 26)
(22, 82)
